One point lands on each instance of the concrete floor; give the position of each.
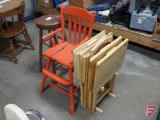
(136, 86)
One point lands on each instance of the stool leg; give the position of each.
(51, 45)
(55, 40)
(40, 49)
(50, 42)
(65, 38)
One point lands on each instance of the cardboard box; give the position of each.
(46, 3)
(156, 33)
(78, 3)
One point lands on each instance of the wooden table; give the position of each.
(9, 4)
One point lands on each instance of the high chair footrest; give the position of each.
(56, 77)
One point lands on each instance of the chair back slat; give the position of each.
(90, 30)
(79, 25)
(84, 29)
(62, 25)
(79, 30)
(69, 28)
(75, 30)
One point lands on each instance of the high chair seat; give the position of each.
(65, 57)
(51, 51)
(61, 53)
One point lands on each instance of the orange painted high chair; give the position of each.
(80, 24)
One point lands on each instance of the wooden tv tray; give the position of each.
(96, 64)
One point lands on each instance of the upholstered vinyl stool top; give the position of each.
(48, 22)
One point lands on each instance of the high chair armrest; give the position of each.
(51, 34)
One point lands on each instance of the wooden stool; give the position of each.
(49, 23)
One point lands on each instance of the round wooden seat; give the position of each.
(48, 22)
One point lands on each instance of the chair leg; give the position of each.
(26, 35)
(13, 52)
(71, 99)
(43, 83)
(50, 41)
(71, 89)
(48, 62)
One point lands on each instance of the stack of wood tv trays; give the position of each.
(96, 65)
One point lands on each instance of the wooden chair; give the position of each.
(13, 24)
(80, 24)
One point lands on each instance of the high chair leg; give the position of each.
(43, 83)
(71, 100)
(48, 62)
(71, 90)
